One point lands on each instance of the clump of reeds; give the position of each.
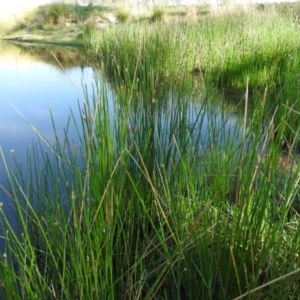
(158, 195)
(90, 26)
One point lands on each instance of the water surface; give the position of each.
(32, 88)
(29, 88)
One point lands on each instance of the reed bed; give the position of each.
(147, 206)
(167, 196)
(230, 46)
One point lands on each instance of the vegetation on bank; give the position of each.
(162, 199)
(219, 50)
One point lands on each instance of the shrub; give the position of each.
(123, 15)
(158, 14)
(57, 13)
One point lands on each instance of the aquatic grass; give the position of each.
(146, 206)
(59, 218)
(165, 191)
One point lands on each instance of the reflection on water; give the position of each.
(33, 87)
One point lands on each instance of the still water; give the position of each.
(29, 88)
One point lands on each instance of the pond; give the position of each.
(29, 88)
(33, 84)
